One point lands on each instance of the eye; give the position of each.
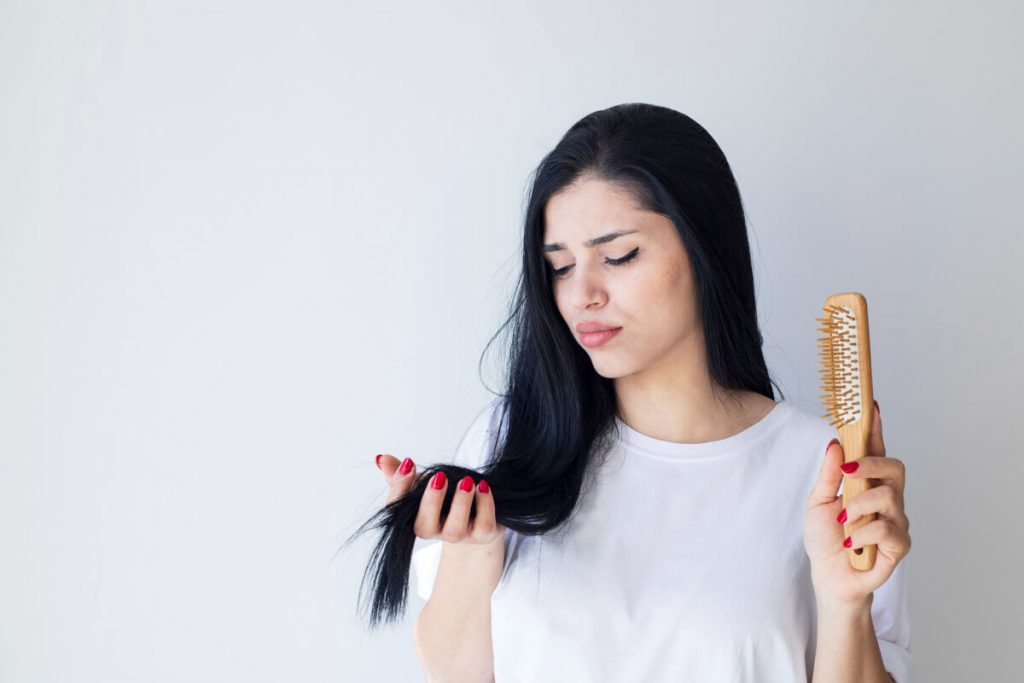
(559, 273)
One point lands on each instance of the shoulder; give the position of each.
(487, 419)
(802, 441)
(810, 425)
(479, 439)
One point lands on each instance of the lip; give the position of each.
(594, 339)
(593, 326)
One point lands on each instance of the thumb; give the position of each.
(826, 489)
(388, 464)
(876, 445)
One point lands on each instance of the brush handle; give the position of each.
(853, 436)
(854, 447)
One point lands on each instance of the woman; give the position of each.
(636, 505)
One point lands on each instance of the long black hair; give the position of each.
(558, 412)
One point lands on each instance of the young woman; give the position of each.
(636, 505)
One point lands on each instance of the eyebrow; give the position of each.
(560, 246)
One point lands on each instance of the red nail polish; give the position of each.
(377, 460)
(484, 488)
(848, 542)
(878, 409)
(842, 516)
(850, 466)
(406, 466)
(438, 480)
(830, 444)
(466, 484)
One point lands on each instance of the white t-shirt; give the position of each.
(685, 562)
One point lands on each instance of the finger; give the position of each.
(884, 534)
(881, 500)
(398, 483)
(876, 444)
(457, 522)
(484, 522)
(826, 488)
(890, 471)
(387, 464)
(401, 477)
(428, 516)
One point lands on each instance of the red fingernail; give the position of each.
(842, 516)
(830, 444)
(850, 466)
(878, 409)
(484, 488)
(848, 542)
(466, 484)
(406, 466)
(377, 460)
(438, 480)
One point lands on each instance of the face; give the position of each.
(638, 282)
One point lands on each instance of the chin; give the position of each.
(612, 368)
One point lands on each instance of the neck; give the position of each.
(675, 400)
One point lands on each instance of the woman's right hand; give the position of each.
(482, 530)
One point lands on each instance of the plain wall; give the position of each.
(245, 247)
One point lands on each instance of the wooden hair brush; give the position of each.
(845, 353)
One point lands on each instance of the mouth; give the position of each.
(595, 339)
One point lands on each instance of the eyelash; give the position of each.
(557, 274)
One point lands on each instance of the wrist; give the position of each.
(489, 548)
(848, 610)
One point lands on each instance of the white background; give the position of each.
(245, 247)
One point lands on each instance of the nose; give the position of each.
(586, 288)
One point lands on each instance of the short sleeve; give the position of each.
(474, 450)
(890, 612)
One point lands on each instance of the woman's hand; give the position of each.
(456, 527)
(835, 581)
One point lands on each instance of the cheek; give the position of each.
(562, 304)
(653, 290)
(662, 298)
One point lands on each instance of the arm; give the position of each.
(847, 649)
(863, 616)
(452, 634)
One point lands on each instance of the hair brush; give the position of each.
(845, 353)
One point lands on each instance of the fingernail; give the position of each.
(406, 466)
(438, 480)
(484, 488)
(849, 467)
(377, 460)
(848, 542)
(842, 516)
(878, 409)
(830, 444)
(466, 484)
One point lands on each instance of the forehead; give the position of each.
(589, 208)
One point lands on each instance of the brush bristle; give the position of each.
(840, 374)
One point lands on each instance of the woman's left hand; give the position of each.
(835, 581)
